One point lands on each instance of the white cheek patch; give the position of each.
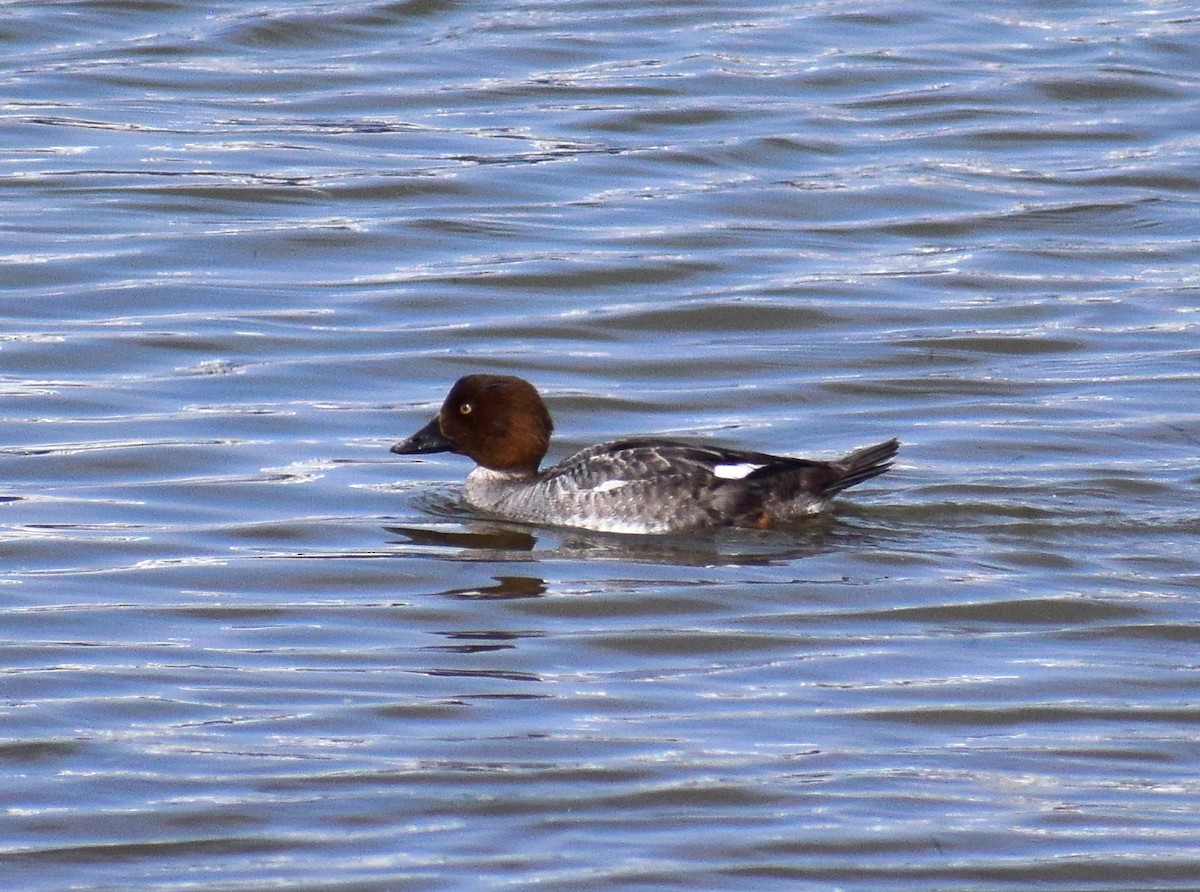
(737, 471)
(610, 485)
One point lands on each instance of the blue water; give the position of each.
(248, 246)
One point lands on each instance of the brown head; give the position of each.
(499, 421)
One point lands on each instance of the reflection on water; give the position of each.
(486, 539)
(506, 587)
(245, 246)
(498, 541)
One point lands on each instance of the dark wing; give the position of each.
(655, 459)
(709, 485)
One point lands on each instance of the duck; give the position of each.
(638, 485)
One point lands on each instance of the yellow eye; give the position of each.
(465, 409)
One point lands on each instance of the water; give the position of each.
(246, 247)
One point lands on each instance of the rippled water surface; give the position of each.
(247, 246)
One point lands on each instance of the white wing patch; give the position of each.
(609, 485)
(737, 471)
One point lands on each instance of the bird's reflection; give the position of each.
(506, 588)
(473, 539)
(477, 538)
(481, 641)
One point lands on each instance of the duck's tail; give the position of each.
(859, 465)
